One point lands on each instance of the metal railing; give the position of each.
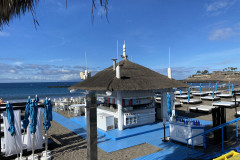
(214, 129)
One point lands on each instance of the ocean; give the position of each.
(19, 92)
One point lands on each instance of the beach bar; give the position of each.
(126, 93)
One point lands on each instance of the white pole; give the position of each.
(86, 60)
(169, 57)
(117, 49)
(120, 111)
(33, 144)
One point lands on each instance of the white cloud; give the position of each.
(12, 71)
(4, 34)
(222, 33)
(218, 7)
(55, 60)
(18, 63)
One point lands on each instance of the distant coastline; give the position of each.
(215, 76)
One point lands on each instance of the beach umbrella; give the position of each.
(229, 85)
(27, 113)
(216, 87)
(10, 117)
(26, 119)
(188, 95)
(47, 124)
(209, 86)
(213, 92)
(169, 104)
(33, 124)
(191, 86)
(200, 88)
(232, 89)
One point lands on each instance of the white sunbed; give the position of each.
(191, 101)
(177, 104)
(224, 104)
(210, 98)
(182, 92)
(224, 95)
(237, 100)
(183, 96)
(215, 92)
(202, 108)
(200, 94)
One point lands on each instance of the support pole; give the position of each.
(120, 110)
(91, 109)
(222, 141)
(237, 132)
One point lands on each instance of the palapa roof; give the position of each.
(133, 77)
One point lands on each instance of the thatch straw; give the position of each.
(10, 9)
(133, 77)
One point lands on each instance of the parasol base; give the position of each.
(35, 157)
(48, 153)
(46, 158)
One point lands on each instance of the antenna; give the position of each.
(169, 57)
(117, 49)
(86, 60)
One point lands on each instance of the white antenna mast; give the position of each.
(86, 60)
(169, 69)
(169, 57)
(117, 49)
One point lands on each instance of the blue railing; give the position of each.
(214, 129)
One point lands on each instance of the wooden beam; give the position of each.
(91, 109)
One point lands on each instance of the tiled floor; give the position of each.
(115, 140)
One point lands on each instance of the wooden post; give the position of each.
(91, 109)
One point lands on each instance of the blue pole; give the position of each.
(237, 132)
(222, 141)
(200, 87)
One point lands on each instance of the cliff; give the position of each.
(216, 76)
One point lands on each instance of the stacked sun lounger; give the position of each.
(203, 108)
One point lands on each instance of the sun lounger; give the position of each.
(183, 96)
(224, 95)
(178, 92)
(177, 104)
(210, 98)
(237, 100)
(200, 94)
(215, 92)
(225, 104)
(204, 108)
(191, 101)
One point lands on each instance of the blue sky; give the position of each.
(202, 34)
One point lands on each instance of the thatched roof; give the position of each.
(133, 77)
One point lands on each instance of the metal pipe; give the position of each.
(222, 141)
(237, 133)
